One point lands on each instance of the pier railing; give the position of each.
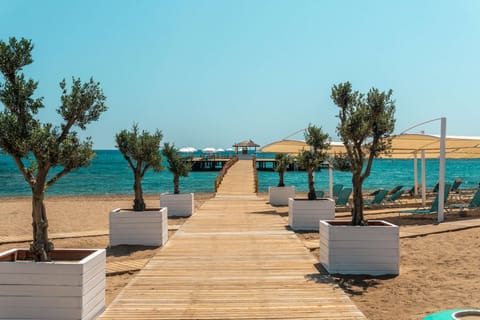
(221, 173)
(255, 173)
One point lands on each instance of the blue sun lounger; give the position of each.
(343, 197)
(379, 197)
(336, 189)
(434, 207)
(474, 203)
(395, 196)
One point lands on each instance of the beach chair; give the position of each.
(455, 185)
(474, 203)
(395, 189)
(336, 190)
(395, 196)
(434, 207)
(343, 197)
(377, 199)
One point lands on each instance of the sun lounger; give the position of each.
(456, 184)
(377, 199)
(395, 196)
(343, 197)
(336, 189)
(395, 189)
(434, 207)
(320, 194)
(474, 203)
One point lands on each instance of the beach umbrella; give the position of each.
(187, 149)
(219, 150)
(209, 150)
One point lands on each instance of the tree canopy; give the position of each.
(365, 128)
(178, 166)
(37, 147)
(311, 159)
(142, 152)
(282, 161)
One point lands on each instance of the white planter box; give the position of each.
(147, 228)
(305, 214)
(278, 196)
(179, 205)
(372, 249)
(70, 287)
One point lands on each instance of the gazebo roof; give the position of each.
(246, 143)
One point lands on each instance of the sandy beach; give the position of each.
(438, 271)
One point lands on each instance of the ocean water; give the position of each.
(110, 174)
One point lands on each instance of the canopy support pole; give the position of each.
(441, 171)
(330, 179)
(415, 175)
(424, 181)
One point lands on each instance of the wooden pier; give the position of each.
(216, 164)
(233, 259)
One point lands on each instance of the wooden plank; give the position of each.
(233, 259)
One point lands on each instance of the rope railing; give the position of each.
(255, 173)
(223, 172)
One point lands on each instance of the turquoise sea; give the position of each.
(109, 174)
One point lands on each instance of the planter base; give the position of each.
(72, 286)
(278, 196)
(305, 214)
(372, 249)
(179, 205)
(147, 228)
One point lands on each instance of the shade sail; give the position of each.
(403, 147)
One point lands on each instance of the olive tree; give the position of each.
(142, 152)
(311, 159)
(38, 147)
(177, 165)
(282, 160)
(365, 128)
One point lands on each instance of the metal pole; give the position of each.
(415, 174)
(330, 178)
(441, 171)
(424, 180)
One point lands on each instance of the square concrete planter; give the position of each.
(147, 228)
(179, 205)
(278, 196)
(304, 214)
(72, 286)
(372, 249)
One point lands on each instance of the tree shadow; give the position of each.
(271, 212)
(126, 250)
(355, 285)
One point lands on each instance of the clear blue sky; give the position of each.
(211, 73)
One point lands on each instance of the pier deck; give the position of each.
(233, 259)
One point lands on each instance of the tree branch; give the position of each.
(26, 175)
(145, 170)
(57, 176)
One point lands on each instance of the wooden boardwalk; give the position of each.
(233, 259)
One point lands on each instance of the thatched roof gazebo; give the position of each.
(245, 145)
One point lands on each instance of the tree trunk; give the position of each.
(312, 195)
(357, 210)
(176, 184)
(40, 246)
(280, 182)
(138, 203)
